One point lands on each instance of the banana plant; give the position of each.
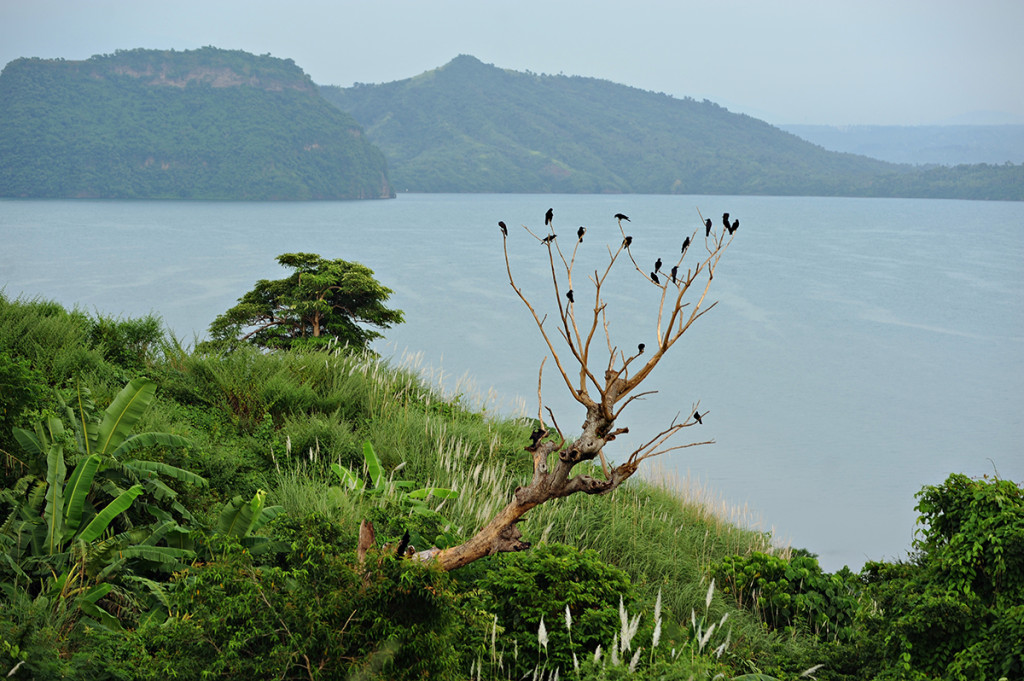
(73, 529)
(240, 519)
(379, 484)
(108, 437)
(381, 487)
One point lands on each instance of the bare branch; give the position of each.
(617, 389)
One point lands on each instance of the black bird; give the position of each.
(686, 244)
(627, 241)
(725, 220)
(707, 228)
(675, 270)
(402, 545)
(657, 265)
(580, 232)
(735, 225)
(568, 294)
(549, 216)
(504, 229)
(640, 349)
(549, 238)
(696, 415)
(537, 435)
(620, 217)
(654, 278)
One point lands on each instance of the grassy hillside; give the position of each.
(250, 572)
(204, 124)
(473, 127)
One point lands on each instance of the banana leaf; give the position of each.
(373, 466)
(87, 604)
(53, 514)
(161, 468)
(99, 524)
(122, 414)
(144, 440)
(76, 491)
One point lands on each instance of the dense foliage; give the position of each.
(473, 127)
(323, 302)
(170, 513)
(201, 124)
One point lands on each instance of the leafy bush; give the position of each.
(957, 610)
(524, 588)
(790, 593)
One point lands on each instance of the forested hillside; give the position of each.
(202, 124)
(172, 513)
(473, 127)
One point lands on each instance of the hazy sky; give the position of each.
(905, 62)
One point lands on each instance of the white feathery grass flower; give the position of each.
(615, 650)
(706, 637)
(657, 608)
(656, 636)
(809, 672)
(568, 618)
(542, 634)
(597, 654)
(711, 592)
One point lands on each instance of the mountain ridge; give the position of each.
(473, 127)
(201, 124)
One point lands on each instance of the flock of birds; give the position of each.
(549, 217)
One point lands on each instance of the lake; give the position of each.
(861, 348)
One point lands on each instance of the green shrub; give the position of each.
(792, 593)
(522, 588)
(955, 611)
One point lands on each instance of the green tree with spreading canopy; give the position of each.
(321, 302)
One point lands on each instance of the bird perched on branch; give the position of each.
(536, 436)
(504, 229)
(640, 349)
(735, 225)
(725, 220)
(654, 278)
(696, 415)
(620, 217)
(627, 241)
(549, 216)
(686, 244)
(549, 238)
(580, 232)
(657, 265)
(675, 270)
(707, 228)
(568, 294)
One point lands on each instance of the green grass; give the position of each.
(277, 421)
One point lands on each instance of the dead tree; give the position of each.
(602, 378)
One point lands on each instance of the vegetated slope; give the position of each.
(201, 124)
(921, 144)
(473, 127)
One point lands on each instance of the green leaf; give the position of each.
(373, 466)
(145, 440)
(54, 512)
(77, 489)
(347, 477)
(170, 471)
(122, 415)
(439, 492)
(99, 524)
(87, 604)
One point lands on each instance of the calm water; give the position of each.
(862, 348)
